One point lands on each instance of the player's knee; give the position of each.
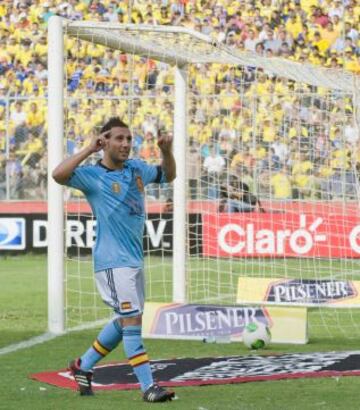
(130, 321)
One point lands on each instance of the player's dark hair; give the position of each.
(111, 123)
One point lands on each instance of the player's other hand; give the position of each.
(165, 140)
(98, 142)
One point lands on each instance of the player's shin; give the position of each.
(137, 356)
(110, 336)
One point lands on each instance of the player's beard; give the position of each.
(120, 156)
(124, 155)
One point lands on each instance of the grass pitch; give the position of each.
(23, 306)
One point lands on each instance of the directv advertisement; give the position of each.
(28, 232)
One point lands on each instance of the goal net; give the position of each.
(264, 209)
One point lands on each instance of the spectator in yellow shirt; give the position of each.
(12, 48)
(319, 42)
(280, 184)
(294, 25)
(301, 164)
(35, 119)
(329, 34)
(2, 140)
(269, 131)
(354, 65)
(350, 62)
(164, 17)
(40, 48)
(24, 55)
(29, 84)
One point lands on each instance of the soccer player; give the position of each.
(114, 187)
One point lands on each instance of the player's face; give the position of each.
(119, 144)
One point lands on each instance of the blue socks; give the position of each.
(107, 340)
(137, 356)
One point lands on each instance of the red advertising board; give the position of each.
(281, 235)
(193, 207)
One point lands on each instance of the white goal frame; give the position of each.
(207, 52)
(56, 272)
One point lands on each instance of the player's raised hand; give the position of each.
(165, 140)
(98, 142)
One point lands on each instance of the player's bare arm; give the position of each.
(168, 164)
(63, 171)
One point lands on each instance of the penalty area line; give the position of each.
(45, 337)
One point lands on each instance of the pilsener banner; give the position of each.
(308, 292)
(196, 322)
(281, 235)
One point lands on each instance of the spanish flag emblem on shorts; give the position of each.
(126, 306)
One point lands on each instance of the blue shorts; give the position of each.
(123, 289)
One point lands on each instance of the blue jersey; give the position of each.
(117, 201)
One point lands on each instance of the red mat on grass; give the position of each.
(219, 370)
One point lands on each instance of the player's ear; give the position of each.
(106, 143)
(106, 138)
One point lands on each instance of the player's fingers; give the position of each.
(101, 141)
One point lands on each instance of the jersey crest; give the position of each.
(116, 188)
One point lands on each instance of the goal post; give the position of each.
(55, 254)
(278, 244)
(179, 199)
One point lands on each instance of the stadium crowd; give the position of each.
(284, 140)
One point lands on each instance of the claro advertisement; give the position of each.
(281, 235)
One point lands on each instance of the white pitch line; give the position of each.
(45, 337)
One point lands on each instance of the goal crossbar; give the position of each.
(180, 46)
